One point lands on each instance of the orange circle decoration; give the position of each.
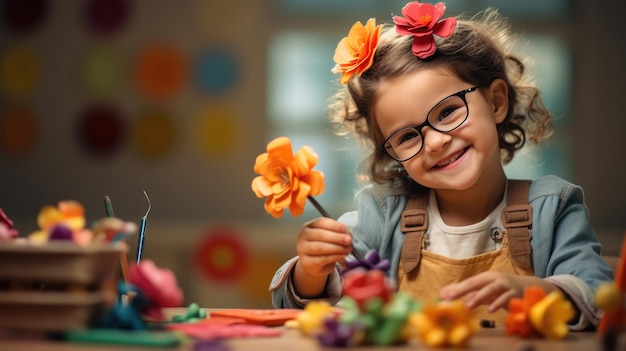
(160, 72)
(19, 71)
(218, 132)
(155, 133)
(222, 255)
(101, 129)
(19, 130)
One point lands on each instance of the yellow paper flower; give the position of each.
(551, 314)
(69, 213)
(445, 323)
(311, 319)
(355, 53)
(608, 297)
(286, 179)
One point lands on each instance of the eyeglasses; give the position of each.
(445, 117)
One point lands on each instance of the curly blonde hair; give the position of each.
(478, 52)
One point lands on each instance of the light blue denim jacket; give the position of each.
(564, 245)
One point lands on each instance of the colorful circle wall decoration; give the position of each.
(20, 71)
(222, 255)
(161, 71)
(24, 16)
(155, 133)
(106, 17)
(218, 132)
(103, 71)
(101, 129)
(216, 71)
(19, 130)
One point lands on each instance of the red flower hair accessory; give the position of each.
(422, 22)
(355, 53)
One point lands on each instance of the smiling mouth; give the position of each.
(451, 159)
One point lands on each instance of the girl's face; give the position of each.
(458, 160)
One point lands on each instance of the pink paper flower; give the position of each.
(422, 21)
(158, 285)
(6, 227)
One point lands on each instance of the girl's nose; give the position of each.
(434, 140)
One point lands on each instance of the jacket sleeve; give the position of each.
(565, 244)
(283, 292)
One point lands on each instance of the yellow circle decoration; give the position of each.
(218, 132)
(103, 71)
(155, 133)
(161, 71)
(19, 130)
(19, 71)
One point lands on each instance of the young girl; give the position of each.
(441, 114)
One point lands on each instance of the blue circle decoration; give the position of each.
(216, 70)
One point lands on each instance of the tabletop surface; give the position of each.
(291, 339)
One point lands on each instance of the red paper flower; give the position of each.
(422, 21)
(286, 179)
(158, 285)
(355, 53)
(363, 285)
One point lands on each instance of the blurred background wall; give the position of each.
(177, 98)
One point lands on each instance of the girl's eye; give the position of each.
(407, 136)
(447, 112)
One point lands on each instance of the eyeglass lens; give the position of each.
(447, 115)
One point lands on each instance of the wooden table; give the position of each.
(291, 339)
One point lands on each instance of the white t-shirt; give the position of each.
(464, 241)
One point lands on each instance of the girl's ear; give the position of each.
(498, 95)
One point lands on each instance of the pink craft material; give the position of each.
(206, 331)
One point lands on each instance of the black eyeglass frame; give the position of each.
(426, 123)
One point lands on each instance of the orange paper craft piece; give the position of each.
(267, 317)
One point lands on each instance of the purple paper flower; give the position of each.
(338, 334)
(371, 261)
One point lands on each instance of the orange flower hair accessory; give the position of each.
(422, 22)
(355, 53)
(287, 180)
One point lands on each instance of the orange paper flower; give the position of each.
(445, 323)
(355, 53)
(518, 321)
(538, 313)
(286, 179)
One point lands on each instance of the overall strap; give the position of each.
(517, 218)
(413, 223)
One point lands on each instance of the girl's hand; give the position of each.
(321, 243)
(491, 288)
